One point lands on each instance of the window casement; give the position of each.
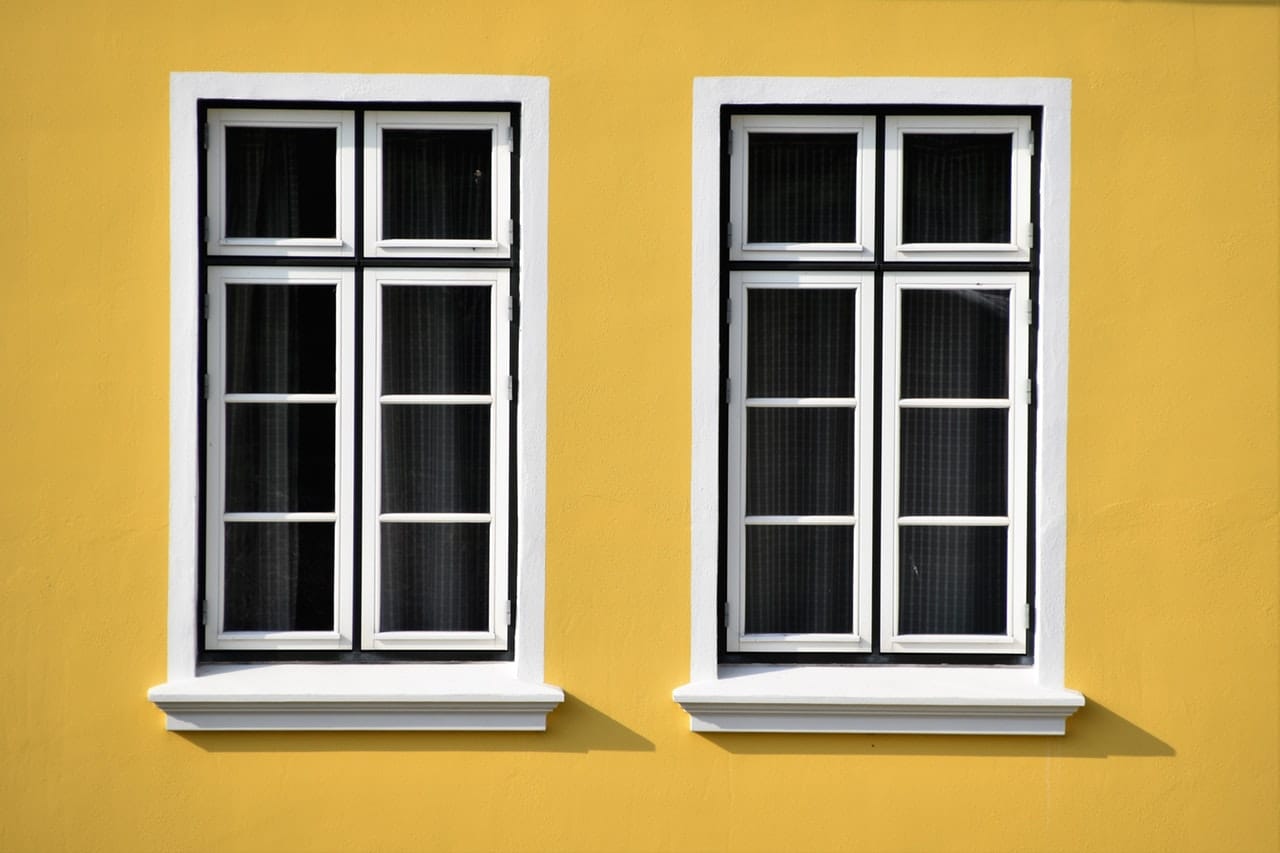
(351, 328)
(886, 491)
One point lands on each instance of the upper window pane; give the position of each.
(956, 187)
(281, 182)
(802, 188)
(437, 184)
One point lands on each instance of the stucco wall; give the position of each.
(1174, 487)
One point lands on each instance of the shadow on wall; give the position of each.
(1095, 731)
(573, 727)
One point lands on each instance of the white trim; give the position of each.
(507, 695)
(498, 282)
(342, 243)
(864, 219)
(908, 699)
(498, 244)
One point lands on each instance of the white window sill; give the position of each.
(282, 697)
(900, 699)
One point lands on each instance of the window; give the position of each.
(361, 339)
(886, 490)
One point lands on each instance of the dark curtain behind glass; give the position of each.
(802, 187)
(436, 184)
(281, 182)
(955, 187)
(279, 576)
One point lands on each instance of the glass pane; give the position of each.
(281, 338)
(435, 577)
(952, 580)
(800, 343)
(954, 462)
(436, 184)
(955, 187)
(279, 577)
(799, 580)
(435, 458)
(800, 461)
(280, 457)
(435, 340)
(281, 182)
(955, 343)
(802, 187)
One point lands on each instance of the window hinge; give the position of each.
(511, 308)
(730, 143)
(1026, 616)
(1031, 235)
(204, 612)
(508, 611)
(511, 388)
(1031, 143)
(726, 614)
(728, 235)
(726, 389)
(728, 312)
(204, 307)
(1029, 389)
(1028, 312)
(204, 386)
(511, 134)
(204, 136)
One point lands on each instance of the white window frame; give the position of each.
(859, 637)
(341, 244)
(960, 699)
(1015, 402)
(1020, 237)
(498, 400)
(742, 128)
(498, 244)
(463, 695)
(216, 637)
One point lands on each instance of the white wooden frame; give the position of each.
(859, 637)
(498, 282)
(343, 281)
(340, 244)
(743, 126)
(1020, 237)
(1015, 403)
(498, 244)
(957, 699)
(489, 695)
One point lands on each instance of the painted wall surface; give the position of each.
(1174, 491)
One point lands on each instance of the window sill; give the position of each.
(317, 697)
(901, 700)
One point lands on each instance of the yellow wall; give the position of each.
(1174, 488)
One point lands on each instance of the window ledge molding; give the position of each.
(302, 697)
(875, 700)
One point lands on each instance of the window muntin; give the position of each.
(950, 563)
(433, 468)
(801, 187)
(957, 188)
(280, 182)
(437, 184)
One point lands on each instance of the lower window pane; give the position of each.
(435, 458)
(799, 579)
(954, 462)
(279, 577)
(434, 577)
(800, 461)
(280, 457)
(952, 580)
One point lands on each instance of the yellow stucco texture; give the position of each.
(1174, 485)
